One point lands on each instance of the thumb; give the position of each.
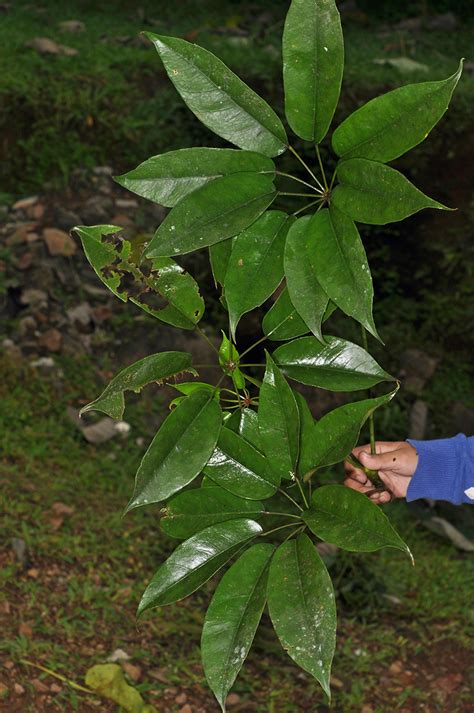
(379, 461)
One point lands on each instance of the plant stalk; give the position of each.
(303, 163)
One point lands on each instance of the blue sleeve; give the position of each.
(445, 470)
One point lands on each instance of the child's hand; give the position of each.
(395, 462)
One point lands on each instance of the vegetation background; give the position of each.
(95, 101)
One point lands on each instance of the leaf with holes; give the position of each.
(156, 368)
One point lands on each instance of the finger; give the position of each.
(380, 447)
(355, 485)
(389, 460)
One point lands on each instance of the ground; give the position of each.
(72, 569)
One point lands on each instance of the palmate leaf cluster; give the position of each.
(249, 447)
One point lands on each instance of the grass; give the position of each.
(83, 579)
(112, 103)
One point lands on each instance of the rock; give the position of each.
(233, 699)
(446, 529)
(414, 362)
(94, 291)
(418, 420)
(20, 233)
(118, 655)
(97, 210)
(33, 573)
(62, 509)
(103, 170)
(55, 688)
(19, 690)
(126, 203)
(35, 212)
(186, 709)
(32, 237)
(24, 203)
(80, 314)
(51, 340)
(396, 668)
(39, 686)
(19, 548)
(26, 324)
(25, 630)
(44, 45)
(181, 699)
(66, 219)
(462, 419)
(33, 297)
(102, 431)
(133, 672)
(336, 682)
(72, 26)
(58, 242)
(44, 363)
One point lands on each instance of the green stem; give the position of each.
(207, 366)
(245, 366)
(323, 173)
(252, 380)
(59, 676)
(300, 180)
(298, 529)
(303, 163)
(275, 529)
(305, 207)
(371, 417)
(289, 193)
(302, 493)
(333, 179)
(206, 338)
(255, 344)
(283, 492)
(285, 514)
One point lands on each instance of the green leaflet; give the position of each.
(255, 267)
(160, 287)
(388, 126)
(153, 368)
(337, 365)
(193, 510)
(343, 271)
(179, 450)
(246, 425)
(302, 607)
(301, 272)
(278, 422)
(240, 468)
(219, 99)
(306, 431)
(370, 192)
(219, 256)
(233, 617)
(195, 561)
(282, 321)
(313, 63)
(333, 437)
(167, 178)
(350, 520)
(212, 213)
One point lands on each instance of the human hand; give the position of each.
(395, 463)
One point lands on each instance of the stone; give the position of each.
(233, 699)
(12, 350)
(62, 509)
(80, 314)
(19, 548)
(132, 671)
(44, 363)
(65, 219)
(96, 292)
(55, 688)
(39, 686)
(44, 45)
(35, 212)
(181, 699)
(186, 709)
(51, 340)
(418, 420)
(18, 688)
(24, 203)
(32, 237)
(72, 26)
(58, 242)
(100, 432)
(126, 203)
(118, 655)
(97, 210)
(24, 261)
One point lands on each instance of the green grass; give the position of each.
(93, 568)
